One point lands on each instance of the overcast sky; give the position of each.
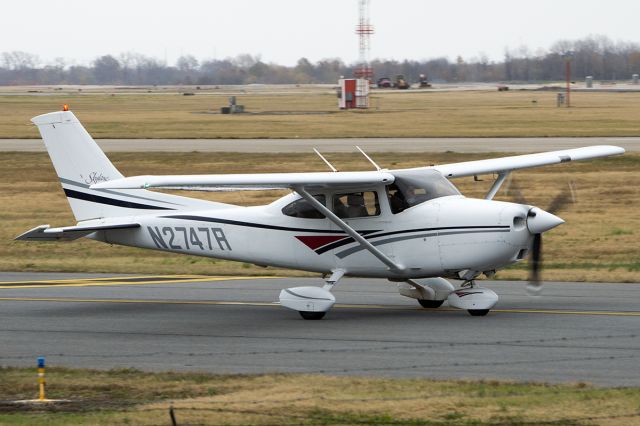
(282, 31)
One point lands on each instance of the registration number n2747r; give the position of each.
(187, 237)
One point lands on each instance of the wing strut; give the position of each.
(496, 185)
(349, 230)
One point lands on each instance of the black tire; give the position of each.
(432, 304)
(312, 315)
(478, 312)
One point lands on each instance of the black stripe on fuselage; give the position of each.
(368, 234)
(71, 193)
(260, 225)
(108, 191)
(377, 243)
(349, 240)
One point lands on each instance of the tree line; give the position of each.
(596, 56)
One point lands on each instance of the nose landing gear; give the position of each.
(478, 301)
(429, 292)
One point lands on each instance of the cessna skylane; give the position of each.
(410, 226)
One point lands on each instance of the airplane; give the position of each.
(411, 226)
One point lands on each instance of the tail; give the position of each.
(79, 163)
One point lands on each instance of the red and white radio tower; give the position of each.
(364, 31)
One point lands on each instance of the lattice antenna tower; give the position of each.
(364, 30)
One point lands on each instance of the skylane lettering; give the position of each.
(186, 237)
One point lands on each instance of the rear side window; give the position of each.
(303, 210)
(356, 204)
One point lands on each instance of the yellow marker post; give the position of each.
(41, 377)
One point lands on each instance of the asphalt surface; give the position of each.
(466, 145)
(575, 332)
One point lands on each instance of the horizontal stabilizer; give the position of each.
(69, 233)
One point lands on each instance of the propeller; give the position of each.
(534, 286)
(514, 191)
(566, 197)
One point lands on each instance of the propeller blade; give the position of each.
(563, 199)
(514, 190)
(534, 286)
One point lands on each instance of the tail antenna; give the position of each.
(333, 169)
(378, 168)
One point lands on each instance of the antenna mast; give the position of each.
(364, 29)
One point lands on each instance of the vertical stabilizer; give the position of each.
(74, 153)
(79, 163)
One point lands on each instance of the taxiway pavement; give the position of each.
(574, 332)
(465, 145)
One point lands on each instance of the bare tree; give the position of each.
(18, 60)
(187, 63)
(107, 69)
(595, 55)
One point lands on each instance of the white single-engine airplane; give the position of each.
(411, 226)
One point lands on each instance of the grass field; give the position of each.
(314, 114)
(136, 398)
(599, 242)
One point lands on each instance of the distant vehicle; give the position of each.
(384, 83)
(401, 82)
(424, 83)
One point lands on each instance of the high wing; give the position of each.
(69, 233)
(310, 181)
(507, 164)
(318, 180)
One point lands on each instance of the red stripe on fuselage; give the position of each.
(315, 241)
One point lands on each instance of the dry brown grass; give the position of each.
(393, 114)
(598, 242)
(133, 397)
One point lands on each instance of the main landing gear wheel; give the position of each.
(478, 312)
(430, 303)
(312, 315)
(312, 303)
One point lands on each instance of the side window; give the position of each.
(397, 202)
(356, 204)
(302, 209)
(401, 198)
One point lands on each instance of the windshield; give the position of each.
(413, 187)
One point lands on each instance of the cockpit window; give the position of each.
(413, 187)
(302, 209)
